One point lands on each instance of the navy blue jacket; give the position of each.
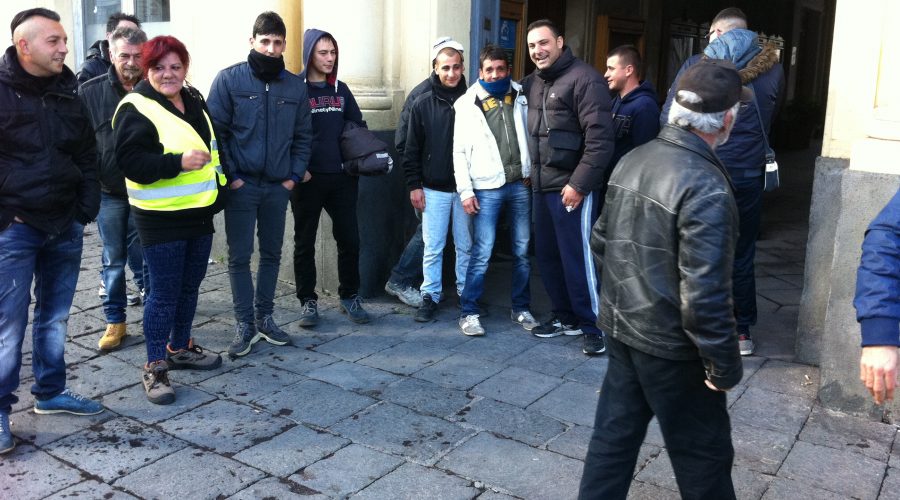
(635, 120)
(48, 156)
(101, 96)
(877, 299)
(264, 129)
(744, 154)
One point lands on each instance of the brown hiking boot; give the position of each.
(192, 358)
(113, 336)
(155, 376)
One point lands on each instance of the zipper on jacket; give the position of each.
(506, 131)
(266, 145)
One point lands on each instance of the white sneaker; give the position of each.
(525, 319)
(471, 325)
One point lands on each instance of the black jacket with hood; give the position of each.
(574, 97)
(331, 104)
(428, 153)
(48, 158)
(664, 247)
(101, 96)
(96, 62)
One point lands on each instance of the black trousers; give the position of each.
(336, 193)
(693, 419)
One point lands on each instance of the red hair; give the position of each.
(158, 47)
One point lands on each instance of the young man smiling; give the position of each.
(262, 116)
(492, 167)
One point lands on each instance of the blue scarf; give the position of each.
(498, 88)
(738, 46)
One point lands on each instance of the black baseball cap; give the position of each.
(717, 84)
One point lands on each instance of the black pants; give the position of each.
(693, 419)
(336, 193)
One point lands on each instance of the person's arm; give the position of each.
(85, 157)
(877, 302)
(462, 155)
(644, 123)
(351, 108)
(221, 111)
(412, 159)
(592, 103)
(706, 238)
(301, 147)
(139, 153)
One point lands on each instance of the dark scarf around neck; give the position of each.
(265, 67)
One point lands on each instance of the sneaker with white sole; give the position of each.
(593, 345)
(471, 325)
(7, 442)
(525, 319)
(745, 344)
(407, 294)
(67, 402)
(554, 328)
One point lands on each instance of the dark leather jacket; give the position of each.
(665, 245)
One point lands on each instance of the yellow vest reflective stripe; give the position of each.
(194, 189)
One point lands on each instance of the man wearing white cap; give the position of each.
(428, 163)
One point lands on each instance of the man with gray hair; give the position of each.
(665, 244)
(101, 96)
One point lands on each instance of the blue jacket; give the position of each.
(635, 120)
(744, 154)
(264, 129)
(877, 299)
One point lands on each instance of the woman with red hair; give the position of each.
(166, 146)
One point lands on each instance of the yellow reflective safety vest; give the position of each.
(194, 189)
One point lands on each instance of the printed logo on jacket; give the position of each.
(327, 104)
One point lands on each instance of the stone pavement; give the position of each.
(398, 409)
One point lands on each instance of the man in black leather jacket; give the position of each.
(665, 244)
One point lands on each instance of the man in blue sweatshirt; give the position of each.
(634, 107)
(878, 303)
(329, 187)
(262, 118)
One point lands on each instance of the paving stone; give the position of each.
(749, 484)
(293, 359)
(794, 279)
(505, 420)
(357, 346)
(654, 434)
(890, 488)
(770, 410)
(894, 461)
(101, 375)
(572, 443)
(734, 394)
(517, 386)
(844, 432)
(348, 470)
(787, 378)
(781, 488)
(570, 402)
(645, 491)
(91, 489)
(556, 360)
(773, 283)
(437, 338)
(515, 467)
(425, 397)
(591, 372)
(493, 495)
(412, 482)
(759, 449)
(132, 402)
(840, 471)
(115, 448)
(314, 402)
(497, 348)
(353, 377)
(397, 430)
(249, 383)
(658, 471)
(290, 451)
(458, 371)
(43, 429)
(208, 476)
(225, 427)
(276, 488)
(31, 473)
(405, 358)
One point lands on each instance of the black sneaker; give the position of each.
(309, 315)
(426, 313)
(245, 335)
(593, 345)
(554, 328)
(271, 332)
(353, 308)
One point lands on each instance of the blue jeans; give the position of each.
(262, 206)
(54, 262)
(442, 209)
(516, 197)
(120, 245)
(408, 271)
(176, 270)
